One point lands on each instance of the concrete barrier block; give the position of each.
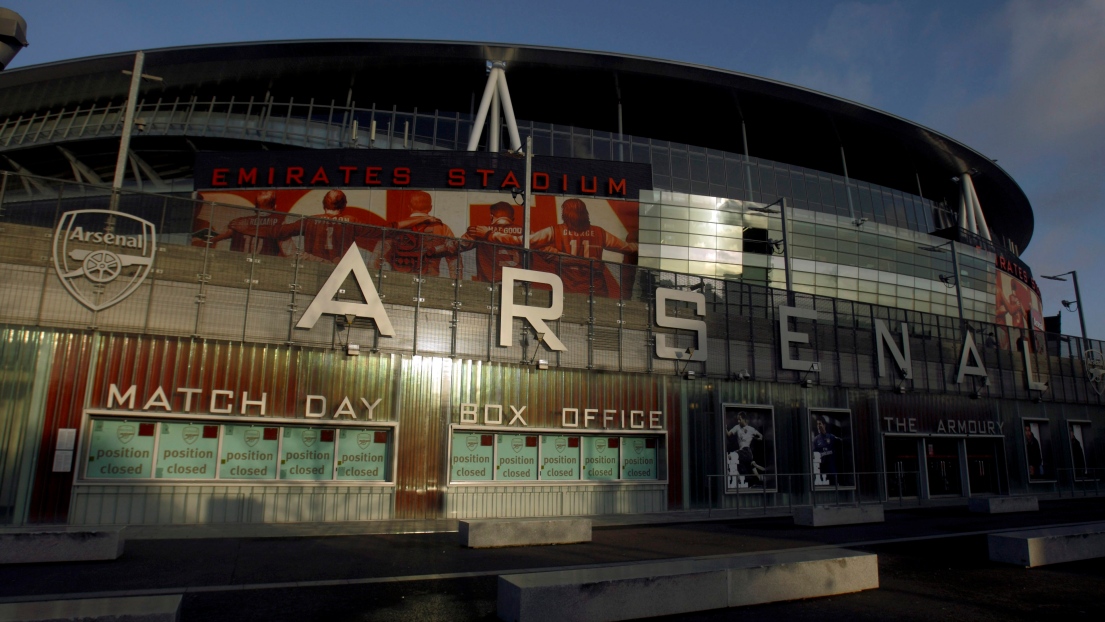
(628, 591)
(524, 532)
(612, 593)
(1052, 545)
(1002, 505)
(803, 574)
(826, 515)
(130, 609)
(24, 546)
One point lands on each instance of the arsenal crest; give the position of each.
(516, 443)
(309, 437)
(472, 442)
(190, 434)
(125, 433)
(103, 256)
(252, 436)
(1095, 370)
(364, 439)
(600, 444)
(560, 444)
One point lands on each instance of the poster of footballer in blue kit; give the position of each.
(831, 462)
(749, 433)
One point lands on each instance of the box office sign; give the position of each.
(560, 458)
(187, 451)
(249, 452)
(553, 457)
(638, 458)
(472, 457)
(362, 455)
(516, 458)
(307, 454)
(120, 449)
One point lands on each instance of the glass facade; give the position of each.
(872, 263)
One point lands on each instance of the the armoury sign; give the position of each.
(360, 168)
(103, 256)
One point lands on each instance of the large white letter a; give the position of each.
(324, 302)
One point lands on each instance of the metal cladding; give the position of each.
(379, 324)
(13, 36)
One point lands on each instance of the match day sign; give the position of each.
(308, 454)
(638, 458)
(103, 256)
(516, 458)
(120, 449)
(362, 455)
(472, 455)
(600, 457)
(249, 452)
(187, 451)
(559, 458)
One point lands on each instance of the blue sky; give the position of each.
(1020, 81)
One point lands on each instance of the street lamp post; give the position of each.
(1077, 297)
(955, 268)
(766, 209)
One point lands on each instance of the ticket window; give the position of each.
(943, 467)
(983, 458)
(903, 475)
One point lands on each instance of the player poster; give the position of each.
(469, 235)
(1017, 306)
(1079, 434)
(749, 435)
(1037, 450)
(832, 458)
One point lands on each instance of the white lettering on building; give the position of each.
(372, 308)
(536, 316)
(663, 296)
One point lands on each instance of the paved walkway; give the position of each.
(933, 565)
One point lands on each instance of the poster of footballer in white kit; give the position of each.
(831, 460)
(749, 433)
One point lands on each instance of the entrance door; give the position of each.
(982, 466)
(942, 462)
(902, 467)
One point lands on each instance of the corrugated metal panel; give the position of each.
(521, 501)
(179, 505)
(24, 373)
(73, 354)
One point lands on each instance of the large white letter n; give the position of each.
(536, 316)
(324, 302)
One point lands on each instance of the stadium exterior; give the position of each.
(321, 294)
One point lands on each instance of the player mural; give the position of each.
(1079, 434)
(749, 433)
(1017, 306)
(831, 448)
(1037, 450)
(416, 231)
(495, 229)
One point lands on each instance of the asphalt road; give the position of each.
(932, 565)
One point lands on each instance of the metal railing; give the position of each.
(320, 125)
